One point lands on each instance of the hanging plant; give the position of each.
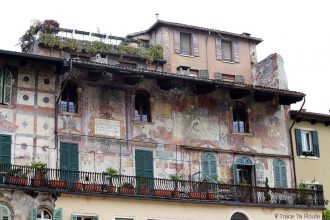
(153, 53)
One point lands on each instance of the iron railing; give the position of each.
(68, 181)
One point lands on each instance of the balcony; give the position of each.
(89, 183)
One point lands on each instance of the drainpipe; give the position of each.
(207, 59)
(292, 151)
(56, 114)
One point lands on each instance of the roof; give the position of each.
(161, 22)
(310, 116)
(261, 93)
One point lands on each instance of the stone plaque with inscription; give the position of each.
(107, 127)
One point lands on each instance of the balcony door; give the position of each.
(144, 167)
(244, 169)
(69, 163)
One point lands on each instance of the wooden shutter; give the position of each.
(5, 149)
(33, 214)
(235, 177)
(315, 140)
(74, 154)
(277, 175)
(57, 214)
(64, 155)
(195, 43)
(69, 156)
(280, 176)
(139, 163)
(176, 39)
(209, 165)
(1, 84)
(7, 87)
(284, 182)
(236, 50)
(298, 141)
(218, 49)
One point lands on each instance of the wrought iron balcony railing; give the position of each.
(67, 181)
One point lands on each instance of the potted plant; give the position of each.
(39, 178)
(143, 186)
(177, 179)
(301, 197)
(110, 173)
(58, 184)
(78, 186)
(127, 188)
(266, 192)
(244, 194)
(91, 187)
(17, 177)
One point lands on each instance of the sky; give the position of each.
(297, 30)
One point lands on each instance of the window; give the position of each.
(209, 165)
(5, 149)
(307, 143)
(5, 86)
(260, 174)
(185, 43)
(240, 118)
(5, 213)
(69, 99)
(43, 214)
(84, 217)
(227, 50)
(238, 216)
(142, 106)
(280, 174)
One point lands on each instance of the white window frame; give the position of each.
(8, 210)
(230, 42)
(304, 141)
(88, 215)
(123, 217)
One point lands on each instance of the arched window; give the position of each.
(239, 216)
(240, 118)
(69, 99)
(280, 174)
(142, 106)
(5, 213)
(209, 165)
(5, 85)
(43, 214)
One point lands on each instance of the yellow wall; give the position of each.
(108, 208)
(308, 169)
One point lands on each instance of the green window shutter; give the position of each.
(148, 164)
(95, 217)
(284, 182)
(209, 165)
(64, 155)
(298, 141)
(74, 217)
(57, 214)
(33, 214)
(176, 38)
(195, 43)
(235, 177)
(280, 176)
(7, 87)
(1, 84)
(277, 175)
(236, 50)
(218, 49)
(5, 149)
(316, 148)
(74, 157)
(139, 163)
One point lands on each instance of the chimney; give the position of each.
(157, 15)
(246, 34)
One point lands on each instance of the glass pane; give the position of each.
(47, 215)
(39, 213)
(185, 43)
(226, 50)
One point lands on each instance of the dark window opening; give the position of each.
(69, 99)
(142, 106)
(238, 216)
(185, 43)
(240, 118)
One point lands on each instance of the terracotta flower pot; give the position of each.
(111, 189)
(92, 187)
(125, 190)
(78, 186)
(197, 195)
(58, 184)
(22, 181)
(144, 191)
(163, 193)
(175, 194)
(36, 182)
(210, 195)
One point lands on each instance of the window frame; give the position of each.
(9, 210)
(304, 142)
(246, 127)
(3, 84)
(140, 109)
(189, 36)
(230, 43)
(68, 97)
(43, 214)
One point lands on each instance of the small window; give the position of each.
(142, 106)
(5, 86)
(69, 99)
(43, 214)
(84, 217)
(307, 143)
(227, 54)
(209, 165)
(240, 118)
(5, 213)
(185, 43)
(280, 176)
(238, 216)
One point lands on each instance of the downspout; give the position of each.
(56, 114)
(207, 59)
(292, 150)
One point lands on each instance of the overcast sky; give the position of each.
(298, 30)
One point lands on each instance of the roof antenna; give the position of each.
(157, 15)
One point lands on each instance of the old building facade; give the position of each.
(203, 125)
